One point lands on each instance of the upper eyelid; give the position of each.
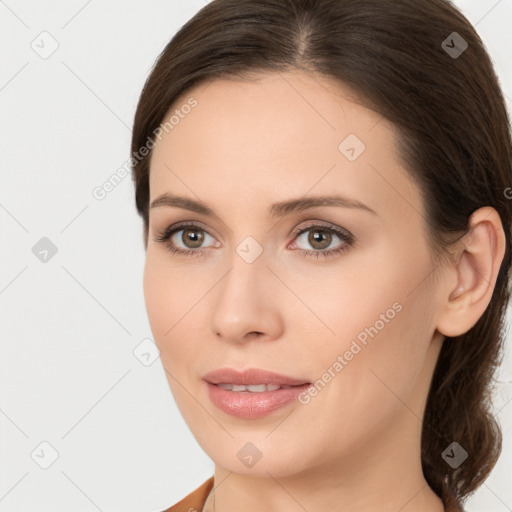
(178, 226)
(321, 224)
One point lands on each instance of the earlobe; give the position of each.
(476, 270)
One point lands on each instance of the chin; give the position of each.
(254, 453)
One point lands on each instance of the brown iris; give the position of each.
(193, 235)
(314, 239)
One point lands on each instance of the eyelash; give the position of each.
(347, 239)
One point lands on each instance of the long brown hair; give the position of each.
(408, 60)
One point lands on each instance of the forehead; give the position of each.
(291, 113)
(279, 136)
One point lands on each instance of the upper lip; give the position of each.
(251, 376)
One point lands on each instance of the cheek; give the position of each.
(373, 322)
(383, 347)
(175, 302)
(172, 307)
(157, 295)
(169, 294)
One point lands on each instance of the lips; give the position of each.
(253, 393)
(251, 377)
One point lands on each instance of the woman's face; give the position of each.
(349, 303)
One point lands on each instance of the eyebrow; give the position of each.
(278, 209)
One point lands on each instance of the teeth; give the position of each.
(253, 388)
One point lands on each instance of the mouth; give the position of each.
(253, 393)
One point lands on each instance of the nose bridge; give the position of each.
(244, 302)
(244, 282)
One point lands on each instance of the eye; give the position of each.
(192, 237)
(321, 237)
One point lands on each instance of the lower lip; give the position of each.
(248, 405)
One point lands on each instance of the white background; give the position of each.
(68, 375)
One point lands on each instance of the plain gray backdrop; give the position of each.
(86, 424)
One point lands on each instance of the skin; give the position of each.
(356, 445)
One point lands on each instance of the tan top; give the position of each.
(194, 502)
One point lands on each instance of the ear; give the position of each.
(475, 270)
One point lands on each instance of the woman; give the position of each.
(324, 191)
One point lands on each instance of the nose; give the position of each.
(246, 304)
